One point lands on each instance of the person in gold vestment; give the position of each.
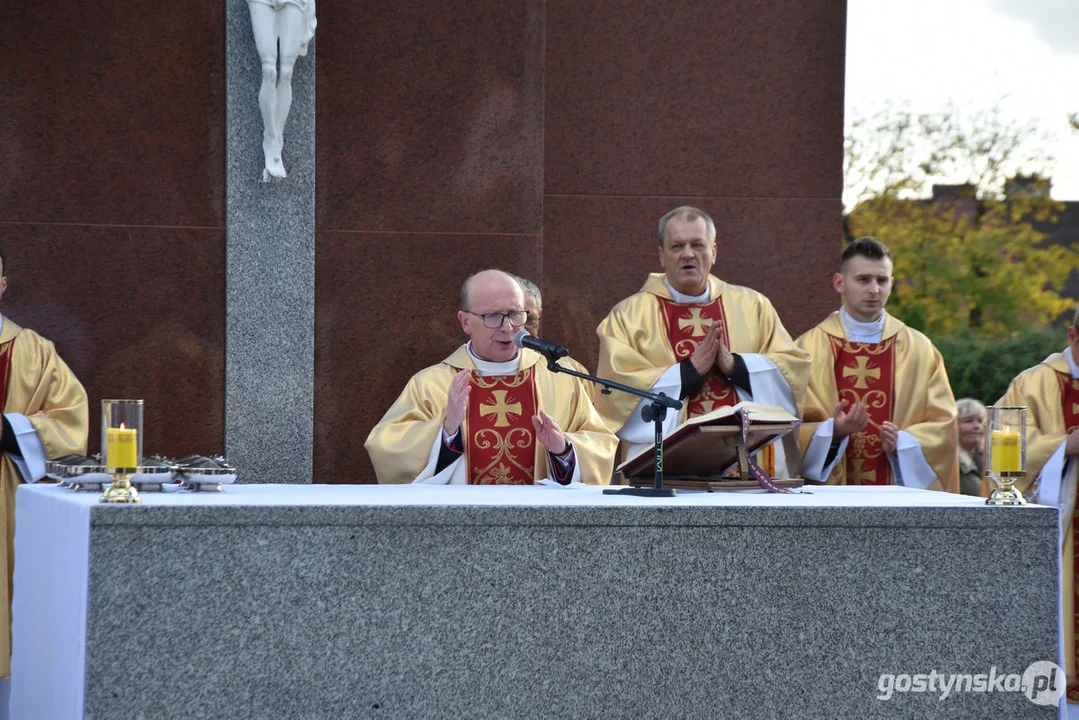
(491, 413)
(690, 335)
(45, 416)
(879, 409)
(534, 308)
(1050, 392)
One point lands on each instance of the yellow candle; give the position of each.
(1005, 447)
(121, 448)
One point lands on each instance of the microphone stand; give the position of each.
(654, 413)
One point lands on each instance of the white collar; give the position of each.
(486, 368)
(1071, 362)
(683, 299)
(863, 332)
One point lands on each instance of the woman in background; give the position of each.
(971, 445)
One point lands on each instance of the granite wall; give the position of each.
(112, 203)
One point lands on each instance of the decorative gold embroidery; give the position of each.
(501, 443)
(683, 325)
(695, 321)
(860, 371)
(505, 381)
(860, 474)
(500, 470)
(859, 367)
(501, 408)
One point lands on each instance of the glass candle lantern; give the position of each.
(1005, 452)
(121, 435)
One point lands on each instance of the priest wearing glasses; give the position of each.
(491, 413)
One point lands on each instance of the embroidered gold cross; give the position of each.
(861, 371)
(500, 408)
(860, 473)
(695, 321)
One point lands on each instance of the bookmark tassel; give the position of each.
(756, 470)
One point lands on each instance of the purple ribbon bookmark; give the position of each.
(756, 470)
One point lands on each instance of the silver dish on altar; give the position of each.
(86, 473)
(154, 474)
(204, 474)
(78, 472)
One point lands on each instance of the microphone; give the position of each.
(548, 349)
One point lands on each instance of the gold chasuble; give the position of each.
(901, 379)
(647, 333)
(865, 373)
(501, 441)
(1051, 397)
(1044, 390)
(499, 409)
(571, 364)
(36, 383)
(686, 327)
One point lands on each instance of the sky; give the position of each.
(1020, 55)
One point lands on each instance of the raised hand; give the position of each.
(457, 405)
(849, 421)
(549, 433)
(1071, 446)
(889, 436)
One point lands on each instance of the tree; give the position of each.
(974, 256)
(982, 368)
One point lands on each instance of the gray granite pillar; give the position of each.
(270, 279)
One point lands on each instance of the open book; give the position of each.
(707, 446)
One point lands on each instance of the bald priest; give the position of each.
(492, 413)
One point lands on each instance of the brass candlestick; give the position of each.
(121, 490)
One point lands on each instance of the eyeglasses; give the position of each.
(533, 321)
(494, 320)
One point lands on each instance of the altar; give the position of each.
(347, 601)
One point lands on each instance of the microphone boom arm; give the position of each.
(654, 413)
(608, 385)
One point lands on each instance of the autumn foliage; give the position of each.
(970, 255)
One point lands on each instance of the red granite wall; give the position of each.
(112, 191)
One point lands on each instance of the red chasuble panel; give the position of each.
(686, 327)
(1069, 403)
(501, 441)
(865, 373)
(5, 370)
(1069, 400)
